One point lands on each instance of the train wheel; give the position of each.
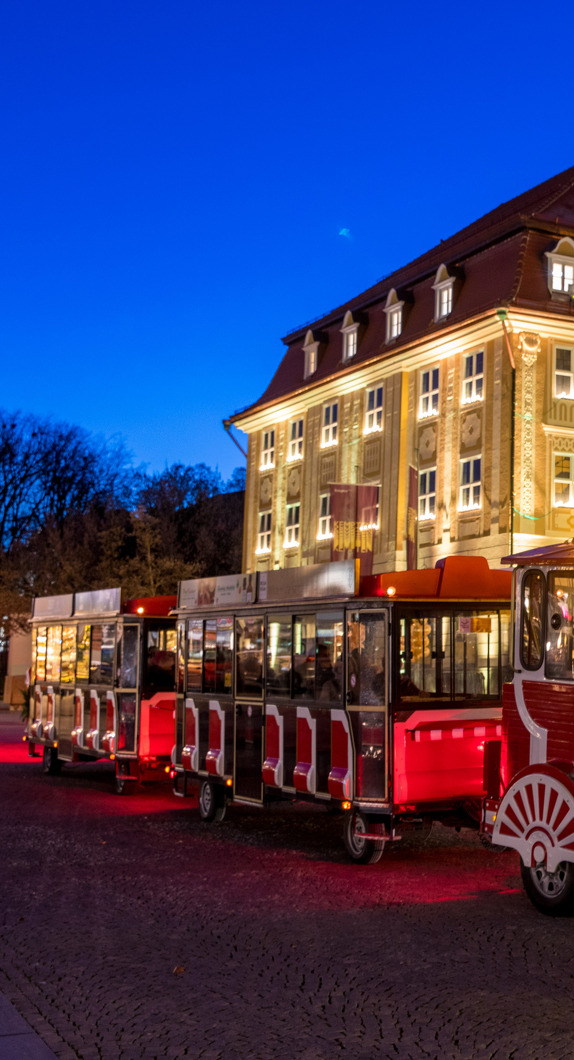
(209, 804)
(362, 850)
(50, 762)
(551, 892)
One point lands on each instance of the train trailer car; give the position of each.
(530, 771)
(103, 680)
(373, 698)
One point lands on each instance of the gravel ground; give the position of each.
(133, 931)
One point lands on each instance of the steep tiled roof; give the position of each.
(500, 257)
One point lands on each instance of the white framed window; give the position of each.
(473, 377)
(470, 484)
(564, 372)
(324, 531)
(295, 447)
(394, 312)
(563, 480)
(267, 450)
(311, 354)
(561, 267)
(374, 410)
(264, 534)
(292, 523)
(329, 428)
(349, 344)
(443, 287)
(427, 494)
(394, 323)
(428, 400)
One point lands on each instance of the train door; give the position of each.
(248, 758)
(367, 699)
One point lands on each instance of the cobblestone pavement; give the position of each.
(132, 931)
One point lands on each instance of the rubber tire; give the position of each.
(361, 851)
(210, 802)
(51, 764)
(552, 894)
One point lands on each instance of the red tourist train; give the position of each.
(102, 683)
(530, 770)
(374, 698)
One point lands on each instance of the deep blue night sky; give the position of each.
(182, 185)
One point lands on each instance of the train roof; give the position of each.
(104, 603)
(559, 555)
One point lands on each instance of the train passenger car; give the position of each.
(374, 698)
(530, 772)
(102, 683)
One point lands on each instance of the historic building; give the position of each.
(459, 365)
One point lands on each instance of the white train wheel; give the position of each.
(536, 818)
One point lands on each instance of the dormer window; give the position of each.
(394, 311)
(311, 352)
(561, 267)
(443, 293)
(350, 333)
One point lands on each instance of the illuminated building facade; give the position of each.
(453, 376)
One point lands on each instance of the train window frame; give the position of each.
(527, 630)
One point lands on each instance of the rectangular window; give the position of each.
(304, 657)
(427, 494)
(394, 323)
(194, 654)
(564, 374)
(470, 483)
(279, 638)
(324, 517)
(349, 344)
(428, 404)
(264, 535)
(68, 655)
(329, 430)
(53, 651)
(83, 653)
(249, 657)
(102, 653)
(562, 276)
(267, 450)
(444, 301)
(295, 449)
(292, 526)
(563, 481)
(374, 410)
(473, 382)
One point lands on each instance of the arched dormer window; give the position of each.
(443, 288)
(561, 267)
(311, 352)
(394, 310)
(350, 333)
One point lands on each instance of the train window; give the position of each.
(128, 637)
(41, 638)
(159, 673)
(223, 654)
(366, 659)
(249, 656)
(209, 647)
(127, 723)
(329, 670)
(559, 628)
(421, 648)
(102, 653)
(83, 653)
(279, 644)
(477, 652)
(180, 656)
(53, 651)
(532, 622)
(68, 655)
(34, 653)
(304, 657)
(194, 654)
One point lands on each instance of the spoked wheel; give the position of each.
(212, 805)
(362, 850)
(551, 892)
(50, 762)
